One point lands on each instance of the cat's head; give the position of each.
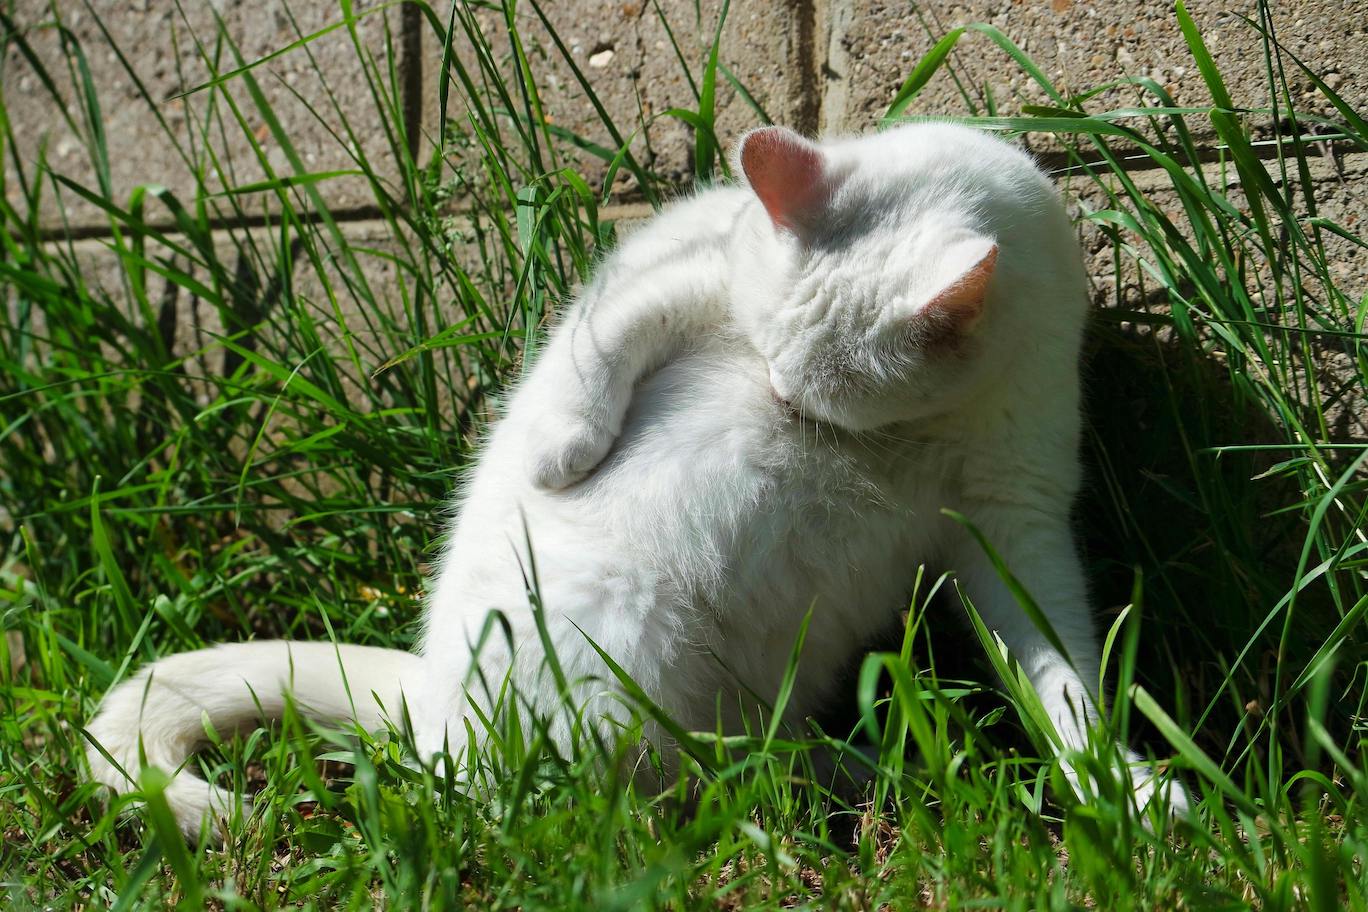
(866, 282)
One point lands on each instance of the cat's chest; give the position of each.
(837, 538)
(741, 504)
(842, 524)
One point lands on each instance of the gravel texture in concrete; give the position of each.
(872, 45)
(166, 53)
(626, 53)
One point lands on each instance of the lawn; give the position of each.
(217, 433)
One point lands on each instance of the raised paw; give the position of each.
(561, 455)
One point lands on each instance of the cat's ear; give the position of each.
(959, 302)
(789, 174)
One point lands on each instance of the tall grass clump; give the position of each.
(231, 412)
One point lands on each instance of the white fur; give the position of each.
(735, 426)
(159, 714)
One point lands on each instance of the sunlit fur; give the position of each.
(839, 309)
(736, 425)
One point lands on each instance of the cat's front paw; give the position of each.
(1161, 789)
(562, 453)
(1147, 785)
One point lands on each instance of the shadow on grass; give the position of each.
(1208, 529)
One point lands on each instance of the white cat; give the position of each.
(758, 407)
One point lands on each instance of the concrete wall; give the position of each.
(818, 65)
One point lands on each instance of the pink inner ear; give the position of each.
(786, 173)
(962, 301)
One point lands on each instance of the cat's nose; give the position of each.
(779, 391)
(784, 403)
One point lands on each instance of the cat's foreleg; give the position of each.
(1041, 555)
(1040, 552)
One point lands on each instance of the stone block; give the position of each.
(624, 51)
(160, 45)
(1339, 189)
(872, 45)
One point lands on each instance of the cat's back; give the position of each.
(703, 220)
(939, 172)
(936, 158)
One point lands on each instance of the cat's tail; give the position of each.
(160, 713)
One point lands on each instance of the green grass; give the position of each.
(281, 472)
